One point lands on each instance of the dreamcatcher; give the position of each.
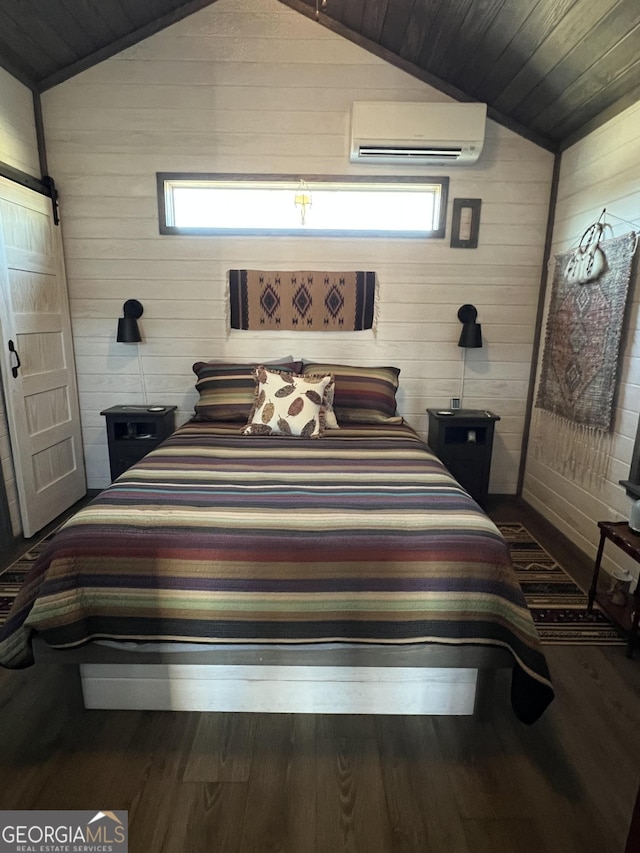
(587, 262)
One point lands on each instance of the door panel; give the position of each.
(42, 401)
(6, 528)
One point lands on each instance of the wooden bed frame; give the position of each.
(322, 679)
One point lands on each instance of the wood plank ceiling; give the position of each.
(550, 69)
(553, 69)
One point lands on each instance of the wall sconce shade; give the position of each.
(128, 331)
(471, 334)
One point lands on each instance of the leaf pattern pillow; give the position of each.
(288, 404)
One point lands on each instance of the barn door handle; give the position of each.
(14, 354)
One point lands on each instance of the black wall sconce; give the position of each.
(128, 331)
(470, 337)
(471, 334)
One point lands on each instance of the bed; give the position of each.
(230, 571)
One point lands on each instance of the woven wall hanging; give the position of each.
(578, 380)
(302, 301)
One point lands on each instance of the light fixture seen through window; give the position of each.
(302, 200)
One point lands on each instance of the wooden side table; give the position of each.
(463, 440)
(621, 535)
(134, 431)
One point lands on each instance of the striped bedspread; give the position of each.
(360, 536)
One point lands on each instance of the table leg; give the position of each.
(633, 633)
(596, 572)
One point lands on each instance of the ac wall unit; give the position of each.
(417, 133)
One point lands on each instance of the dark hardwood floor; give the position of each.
(325, 784)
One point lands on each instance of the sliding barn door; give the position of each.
(38, 368)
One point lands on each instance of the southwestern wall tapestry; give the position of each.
(578, 380)
(302, 301)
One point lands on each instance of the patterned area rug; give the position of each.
(12, 577)
(558, 606)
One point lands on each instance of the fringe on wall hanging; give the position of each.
(575, 451)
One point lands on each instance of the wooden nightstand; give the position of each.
(627, 615)
(133, 431)
(463, 440)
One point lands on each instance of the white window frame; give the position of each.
(167, 181)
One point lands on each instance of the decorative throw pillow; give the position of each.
(330, 420)
(288, 404)
(227, 390)
(362, 394)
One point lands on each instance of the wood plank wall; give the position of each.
(18, 145)
(18, 149)
(252, 86)
(599, 172)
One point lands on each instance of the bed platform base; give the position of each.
(437, 680)
(293, 689)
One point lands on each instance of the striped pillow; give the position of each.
(227, 390)
(362, 394)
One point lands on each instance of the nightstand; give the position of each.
(133, 431)
(463, 440)
(626, 616)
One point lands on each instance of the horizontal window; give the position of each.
(332, 206)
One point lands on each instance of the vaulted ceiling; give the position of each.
(552, 70)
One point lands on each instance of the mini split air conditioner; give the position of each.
(390, 132)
